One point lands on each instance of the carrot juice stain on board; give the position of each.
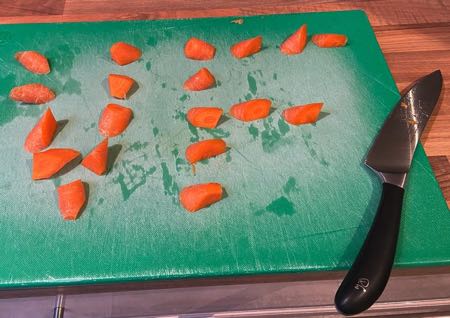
(89, 127)
(184, 97)
(182, 165)
(281, 207)
(62, 60)
(133, 173)
(179, 115)
(131, 177)
(158, 153)
(218, 133)
(253, 131)
(309, 143)
(136, 146)
(228, 156)
(195, 137)
(169, 184)
(252, 84)
(291, 186)
(155, 131)
(283, 127)
(273, 137)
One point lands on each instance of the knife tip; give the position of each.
(436, 73)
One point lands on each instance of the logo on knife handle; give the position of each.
(362, 284)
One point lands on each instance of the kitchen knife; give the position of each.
(390, 158)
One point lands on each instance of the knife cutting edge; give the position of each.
(390, 158)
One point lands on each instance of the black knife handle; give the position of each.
(370, 272)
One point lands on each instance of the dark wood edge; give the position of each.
(242, 12)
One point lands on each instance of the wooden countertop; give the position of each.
(414, 36)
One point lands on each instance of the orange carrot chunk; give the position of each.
(119, 85)
(251, 110)
(123, 53)
(197, 49)
(199, 196)
(42, 134)
(295, 43)
(97, 159)
(33, 61)
(204, 117)
(32, 94)
(302, 114)
(71, 199)
(114, 120)
(329, 40)
(49, 162)
(247, 47)
(201, 80)
(205, 149)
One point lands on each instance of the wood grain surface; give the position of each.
(414, 36)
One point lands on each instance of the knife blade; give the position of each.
(390, 157)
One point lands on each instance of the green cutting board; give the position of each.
(298, 198)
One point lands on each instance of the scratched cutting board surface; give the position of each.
(298, 198)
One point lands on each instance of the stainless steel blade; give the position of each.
(393, 148)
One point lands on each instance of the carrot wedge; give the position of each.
(42, 134)
(71, 199)
(32, 94)
(199, 196)
(197, 49)
(49, 162)
(119, 85)
(295, 43)
(204, 117)
(302, 114)
(114, 120)
(97, 159)
(247, 47)
(33, 61)
(251, 110)
(123, 53)
(205, 149)
(201, 80)
(329, 40)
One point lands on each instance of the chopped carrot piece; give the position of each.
(204, 117)
(197, 49)
(199, 196)
(329, 40)
(201, 80)
(251, 110)
(33, 61)
(119, 85)
(247, 47)
(71, 199)
(97, 159)
(238, 21)
(42, 134)
(296, 42)
(302, 114)
(114, 120)
(32, 94)
(123, 53)
(49, 162)
(205, 149)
